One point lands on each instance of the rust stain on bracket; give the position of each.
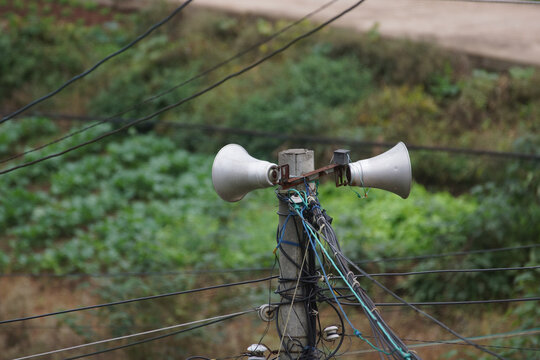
(287, 182)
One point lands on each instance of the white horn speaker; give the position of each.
(389, 171)
(235, 173)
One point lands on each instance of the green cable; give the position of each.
(405, 355)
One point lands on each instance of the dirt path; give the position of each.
(507, 32)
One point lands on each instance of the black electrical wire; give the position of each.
(438, 322)
(115, 117)
(152, 338)
(191, 97)
(446, 303)
(453, 271)
(241, 270)
(388, 342)
(139, 299)
(485, 345)
(446, 342)
(320, 221)
(273, 135)
(99, 63)
(139, 274)
(456, 253)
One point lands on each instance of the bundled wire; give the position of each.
(312, 217)
(321, 222)
(317, 224)
(204, 322)
(389, 343)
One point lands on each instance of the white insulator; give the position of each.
(267, 312)
(256, 352)
(331, 333)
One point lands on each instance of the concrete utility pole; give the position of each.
(294, 324)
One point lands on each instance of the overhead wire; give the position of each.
(526, 332)
(76, 347)
(464, 302)
(341, 257)
(248, 270)
(275, 135)
(158, 337)
(152, 297)
(99, 63)
(455, 253)
(193, 96)
(115, 117)
(387, 342)
(379, 304)
(432, 318)
(453, 271)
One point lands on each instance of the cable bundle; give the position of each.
(317, 224)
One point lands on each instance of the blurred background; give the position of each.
(135, 214)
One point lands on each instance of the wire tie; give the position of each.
(376, 309)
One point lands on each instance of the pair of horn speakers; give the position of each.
(235, 173)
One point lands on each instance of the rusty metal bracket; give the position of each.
(287, 182)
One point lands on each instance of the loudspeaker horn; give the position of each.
(235, 173)
(389, 171)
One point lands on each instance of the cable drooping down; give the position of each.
(116, 116)
(306, 208)
(318, 220)
(193, 96)
(99, 63)
(317, 226)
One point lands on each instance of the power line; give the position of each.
(156, 337)
(341, 257)
(459, 342)
(220, 317)
(379, 304)
(352, 142)
(99, 63)
(191, 97)
(281, 136)
(140, 274)
(241, 270)
(444, 271)
(465, 302)
(139, 299)
(455, 253)
(432, 318)
(115, 117)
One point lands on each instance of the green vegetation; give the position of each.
(143, 200)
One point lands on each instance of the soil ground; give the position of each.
(507, 32)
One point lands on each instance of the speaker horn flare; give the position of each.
(389, 171)
(235, 173)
